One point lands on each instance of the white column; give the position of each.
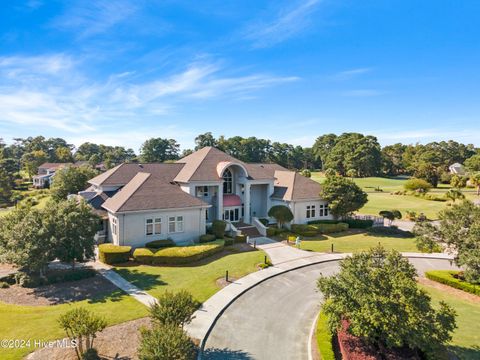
(220, 202)
(247, 203)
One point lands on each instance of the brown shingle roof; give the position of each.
(290, 185)
(149, 192)
(123, 173)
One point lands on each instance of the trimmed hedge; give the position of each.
(304, 230)
(313, 222)
(447, 277)
(229, 241)
(271, 231)
(177, 255)
(158, 244)
(324, 338)
(390, 230)
(358, 224)
(206, 238)
(331, 228)
(240, 239)
(113, 254)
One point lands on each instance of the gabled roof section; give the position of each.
(259, 171)
(122, 174)
(291, 186)
(149, 192)
(202, 165)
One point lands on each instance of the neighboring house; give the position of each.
(45, 174)
(145, 202)
(457, 169)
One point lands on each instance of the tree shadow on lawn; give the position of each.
(465, 353)
(140, 279)
(220, 354)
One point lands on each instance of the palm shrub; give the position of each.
(82, 326)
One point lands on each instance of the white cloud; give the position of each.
(52, 92)
(286, 23)
(89, 18)
(348, 74)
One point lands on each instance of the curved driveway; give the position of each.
(273, 320)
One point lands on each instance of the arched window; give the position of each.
(227, 182)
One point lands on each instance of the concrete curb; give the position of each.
(338, 257)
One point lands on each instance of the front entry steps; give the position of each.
(248, 230)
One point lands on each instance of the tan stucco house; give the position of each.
(145, 202)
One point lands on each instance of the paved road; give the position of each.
(273, 320)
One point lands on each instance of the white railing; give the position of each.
(232, 228)
(262, 229)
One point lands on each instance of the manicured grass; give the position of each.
(378, 201)
(199, 279)
(353, 242)
(324, 338)
(466, 338)
(40, 322)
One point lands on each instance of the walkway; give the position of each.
(109, 274)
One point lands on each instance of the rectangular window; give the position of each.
(175, 224)
(153, 226)
(326, 210)
(114, 226)
(313, 211)
(202, 191)
(308, 212)
(321, 210)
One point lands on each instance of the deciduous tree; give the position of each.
(343, 195)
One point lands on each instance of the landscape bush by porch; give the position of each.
(331, 228)
(113, 254)
(271, 231)
(304, 230)
(158, 244)
(358, 224)
(206, 238)
(240, 239)
(177, 255)
(447, 277)
(218, 228)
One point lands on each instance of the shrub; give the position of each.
(165, 342)
(229, 241)
(4, 285)
(271, 231)
(281, 213)
(359, 224)
(55, 276)
(206, 238)
(218, 228)
(313, 222)
(240, 239)
(91, 354)
(331, 228)
(390, 230)
(113, 254)
(304, 230)
(264, 221)
(447, 277)
(158, 244)
(419, 185)
(174, 308)
(178, 254)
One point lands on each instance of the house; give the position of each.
(456, 169)
(145, 202)
(45, 174)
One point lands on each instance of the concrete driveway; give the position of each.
(273, 320)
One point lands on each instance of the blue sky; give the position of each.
(118, 72)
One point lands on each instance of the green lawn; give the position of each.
(199, 280)
(40, 322)
(378, 201)
(466, 338)
(348, 242)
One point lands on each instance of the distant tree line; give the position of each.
(348, 154)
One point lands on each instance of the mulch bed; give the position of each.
(59, 293)
(115, 342)
(354, 348)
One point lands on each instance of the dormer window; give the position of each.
(227, 182)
